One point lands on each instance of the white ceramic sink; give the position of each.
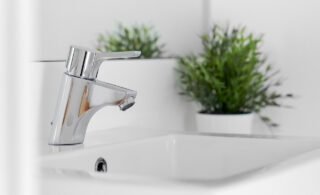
(183, 156)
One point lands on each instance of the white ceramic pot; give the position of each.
(224, 123)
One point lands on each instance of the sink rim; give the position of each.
(171, 135)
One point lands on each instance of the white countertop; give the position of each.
(104, 137)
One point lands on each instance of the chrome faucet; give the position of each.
(81, 95)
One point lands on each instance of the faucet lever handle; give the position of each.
(85, 63)
(117, 55)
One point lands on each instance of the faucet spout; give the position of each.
(78, 101)
(102, 94)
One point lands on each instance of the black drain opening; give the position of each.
(101, 165)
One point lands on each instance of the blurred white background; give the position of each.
(291, 41)
(18, 103)
(45, 30)
(63, 23)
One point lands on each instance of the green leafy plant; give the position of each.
(134, 38)
(231, 75)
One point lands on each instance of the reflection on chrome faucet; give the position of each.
(81, 95)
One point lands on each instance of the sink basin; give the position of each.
(198, 157)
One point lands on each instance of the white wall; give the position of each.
(79, 22)
(292, 42)
(291, 38)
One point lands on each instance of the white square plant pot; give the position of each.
(224, 123)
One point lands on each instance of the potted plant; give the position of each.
(231, 80)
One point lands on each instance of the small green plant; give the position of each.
(135, 38)
(231, 75)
